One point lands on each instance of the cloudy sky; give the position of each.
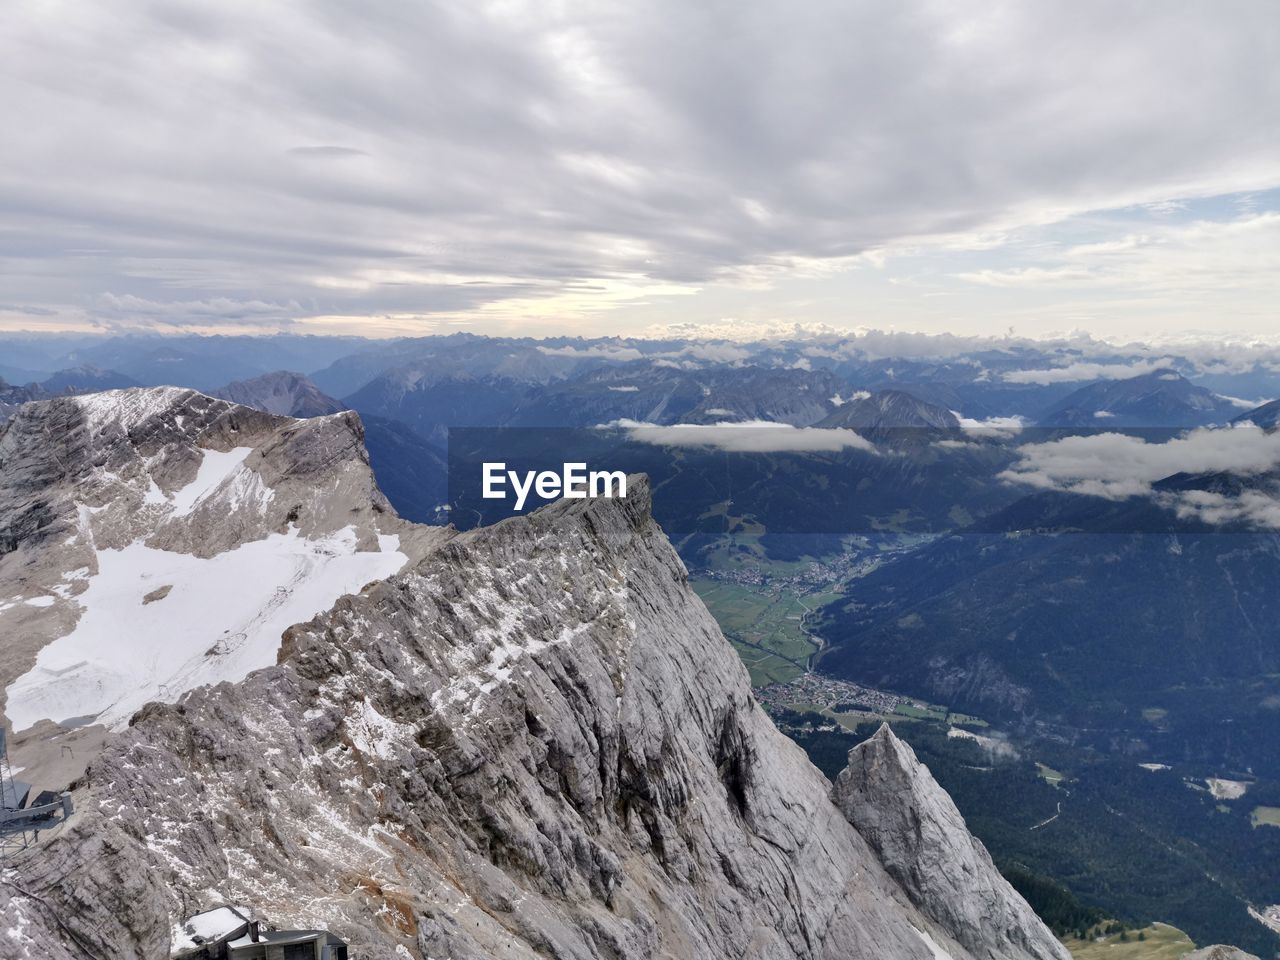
(408, 167)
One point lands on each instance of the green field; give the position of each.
(1161, 942)
(765, 628)
(1049, 775)
(921, 713)
(1266, 816)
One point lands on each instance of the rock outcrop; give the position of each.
(921, 838)
(1219, 952)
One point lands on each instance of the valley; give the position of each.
(1044, 799)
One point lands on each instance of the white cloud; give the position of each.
(750, 436)
(1252, 507)
(1117, 466)
(1024, 276)
(530, 163)
(602, 351)
(991, 426)
(1086, 370)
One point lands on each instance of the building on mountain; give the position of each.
(233, 933)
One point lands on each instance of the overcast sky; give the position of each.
(401, 167)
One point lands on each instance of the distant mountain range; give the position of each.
(75, 380)
(1163, 398)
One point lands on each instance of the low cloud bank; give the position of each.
(751, 436)
(1116, 466)
(1084, 370)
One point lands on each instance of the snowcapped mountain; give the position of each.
(1163, 398)
(531, 741)
(152, 540)
(283, 393)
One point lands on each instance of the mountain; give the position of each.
(76, 380)
(1266, 416)
(152, 540)
(532, 741)
(467, 357)
(430, 405)
(282, 393)
(920, 837)
(431, 399)
(658, 393)
(206, 362)
(86, 379)
(891, 410)
(12, 397)
(411, 472)
(1163, 398)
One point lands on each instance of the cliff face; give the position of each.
(533, 742)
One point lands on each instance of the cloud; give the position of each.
(601, 351)
(327, 151)
(127, 310)
(1252, 507)
(714, 352)
(609, 156)
(1117, 466)
(1085, 370)
(751, 436)
(1024, 276)
(991, 426)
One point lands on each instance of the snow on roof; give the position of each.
(212, 925)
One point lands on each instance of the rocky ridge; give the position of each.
(534, 742)
(175, 518)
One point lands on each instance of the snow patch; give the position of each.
(934, 948)
(222, 619)
(215, 468)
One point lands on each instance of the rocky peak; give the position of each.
(921, 838)
(534, 742)
(283, 393)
